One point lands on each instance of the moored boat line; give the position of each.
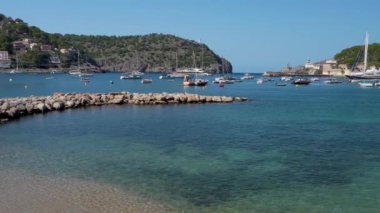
(13, 108)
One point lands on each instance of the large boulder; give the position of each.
(58, 106)
(41, 107)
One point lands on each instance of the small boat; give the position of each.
(301, 81)
(165, 76)
(74, 72)
(281, 84)
(86, 74)
(333, 81)
(187, 81)
(260, 81)
(200, 82)
(355, 80)
(286, 78)
(85, 79)
(146, 81)
(131, 76)
(366, 84)
(314, 79)
(176, 75)
(247, 76)
(223, 80)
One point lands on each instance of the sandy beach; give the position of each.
(25, 192)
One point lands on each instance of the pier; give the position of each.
(14, 108)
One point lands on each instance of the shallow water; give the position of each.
(292, 149)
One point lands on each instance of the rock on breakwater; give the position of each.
(13, 108)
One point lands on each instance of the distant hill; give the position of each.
(154, 52)
(349, 56)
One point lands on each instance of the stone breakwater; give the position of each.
(13, 108)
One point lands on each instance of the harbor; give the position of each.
(149, 107)
(196, 157)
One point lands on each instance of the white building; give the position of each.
(5, 62)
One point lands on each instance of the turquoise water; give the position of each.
(293, 149)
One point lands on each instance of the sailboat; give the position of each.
(17, 66)
(76, 72)
(134, 75)
(368, 74)
(224, 79)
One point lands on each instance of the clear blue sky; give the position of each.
(255, 35)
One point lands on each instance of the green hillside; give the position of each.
(154, 52)
(350, 55)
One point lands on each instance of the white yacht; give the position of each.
(134, 75)
(247, 76)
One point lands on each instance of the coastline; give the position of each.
(23, 191)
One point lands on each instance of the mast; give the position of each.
(194, 65)
(176, 61)
(16, 62)
(200, 41)
(78, 62)
(366, 51)
(202, 58)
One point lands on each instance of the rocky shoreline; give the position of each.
(14, 108)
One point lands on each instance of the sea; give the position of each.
(312, 148)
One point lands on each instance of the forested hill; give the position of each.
(350, 55)
(154, 52)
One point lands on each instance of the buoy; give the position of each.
(10, 80)
(26, 86)
(111, 82)
(221, 85)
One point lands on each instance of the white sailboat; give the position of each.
(76, 72)
(371, 73)
(134, 75)
(17, 66)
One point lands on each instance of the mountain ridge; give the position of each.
(151, 53)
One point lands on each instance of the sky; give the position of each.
(255, 35)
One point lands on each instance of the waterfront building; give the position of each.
(331, 67)
(5, 62)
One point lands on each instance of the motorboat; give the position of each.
(165, 76)
(200, 82)
(281, 84)
(286, 78)
(247, 76)
(224, 80)
(131, 76)
(187, 81)
(85, 79)
(314, 79)
(146, 81)
(366, 84)
(260, 81)
(85, 74)
(333, 81)
(301, 81)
